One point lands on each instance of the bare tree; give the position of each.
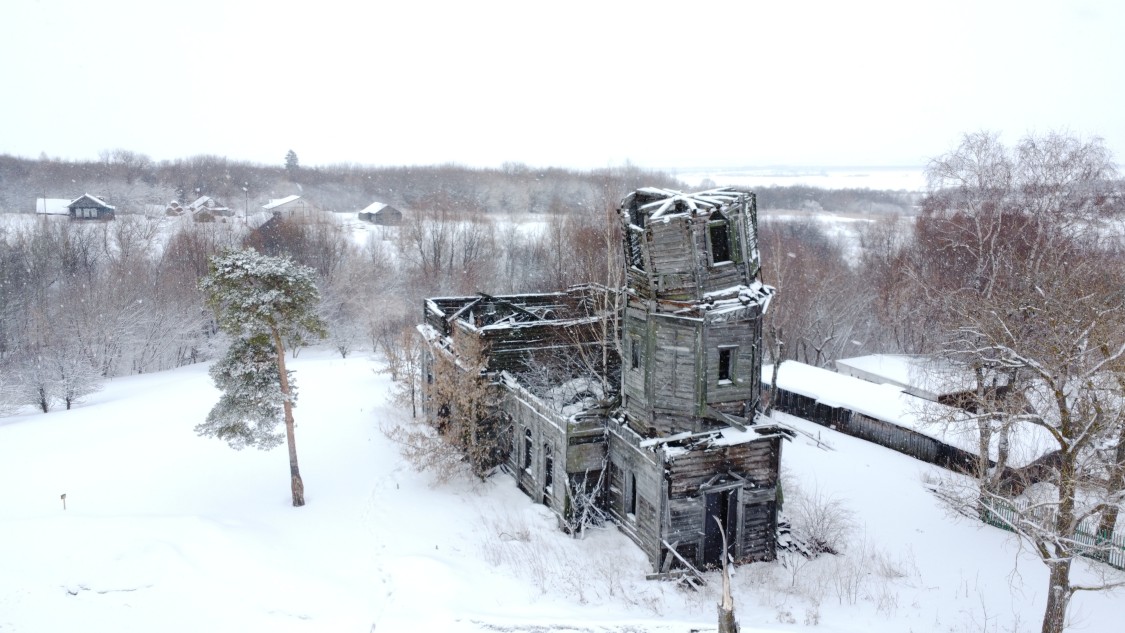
(823, 306)
(448, 249)
(37, 385)
(404, 363)
(1032, 303)
(900, 322)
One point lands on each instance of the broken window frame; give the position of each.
(636, 257)
(719, 247)
(727, 365)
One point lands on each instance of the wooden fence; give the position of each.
(1106, 547)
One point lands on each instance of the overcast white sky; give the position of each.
(575, 83)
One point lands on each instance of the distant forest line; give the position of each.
(136, 184)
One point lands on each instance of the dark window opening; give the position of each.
(726, 360)
(636, 216)
(548, 476)
(631, 497)
(527, 450)
(636, 257)
(720, 242)
(634, 352)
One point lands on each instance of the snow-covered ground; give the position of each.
(164, 530)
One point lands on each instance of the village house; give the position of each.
(88, 207)
(291, 208)
(381, 214)
(206, 206)
(642, 404)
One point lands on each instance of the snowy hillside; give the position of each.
(167, 531)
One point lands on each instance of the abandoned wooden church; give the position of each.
(640, 404)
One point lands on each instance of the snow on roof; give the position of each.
(703, 201)
(206, 202)
(273, 204)
(52, 206)
(756, 293)
(922, 376)
(94, 199)
(685, 441)
(374, 207)
(890, 403)
(882, 402)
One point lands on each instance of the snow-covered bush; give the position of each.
(820, 521)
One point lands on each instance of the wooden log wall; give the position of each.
(673, 258)
(675, 373)
(686, 520)
(677, 256)
(577, 447)
(569, 322)
(887, 434)
(743, 337)
(635, 470)
(548, 435)
(634, 383)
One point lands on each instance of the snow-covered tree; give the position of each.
(36, 384)
(256, 295)
(252, 405)
(404, 363)
(74, 375)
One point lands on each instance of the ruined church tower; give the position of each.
(692, 332)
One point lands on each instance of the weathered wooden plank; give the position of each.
(584, 457)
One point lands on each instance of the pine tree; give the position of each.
(262, 302)
(292, 166)
(252, 405)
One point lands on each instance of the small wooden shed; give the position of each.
(382, 214)
(89, 207)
